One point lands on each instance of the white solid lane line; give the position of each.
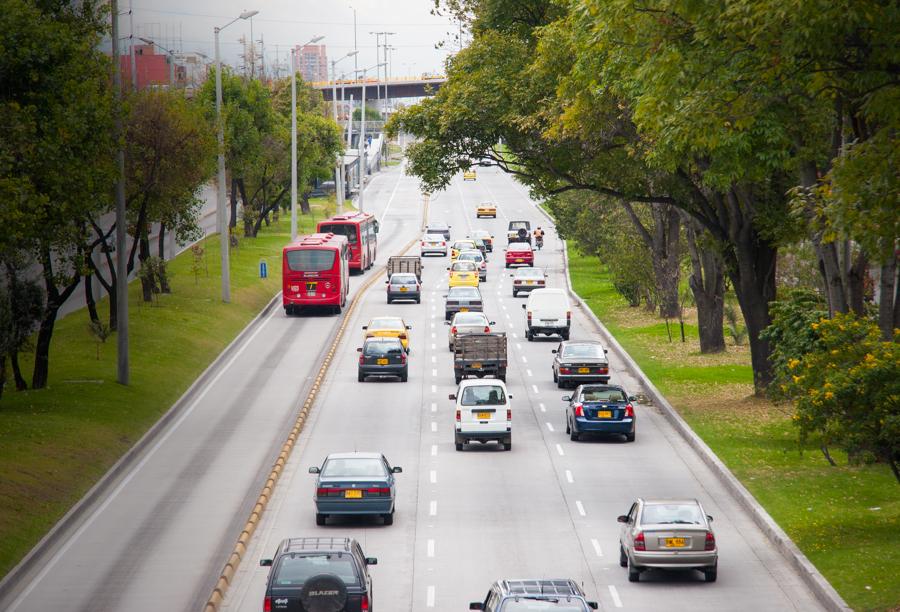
(615, 596)
(596, 544)
(569, 476)
(580, 507)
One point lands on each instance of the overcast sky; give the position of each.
(187, 25)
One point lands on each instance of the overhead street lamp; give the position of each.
(220, 206)
(339, 165)
(313, 40)
(169, 52)
(362, 134)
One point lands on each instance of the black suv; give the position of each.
(312, 574)
(514, 595)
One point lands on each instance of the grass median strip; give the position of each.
(845, 519)
(57, 442)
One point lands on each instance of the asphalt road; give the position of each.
(464, 519)
(158, 540)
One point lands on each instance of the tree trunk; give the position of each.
(857, 284)
(662, 240)
(161, 249)
(89, 297)
(830, 268)
(55, 299)
(889, 298)
(304, 203)
(249, 220)
(234, 183)
(707, 283)
(147, 282)
(21, 383)
(110, 287)
(2, 374)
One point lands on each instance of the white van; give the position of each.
(547, 312)
(483, 413)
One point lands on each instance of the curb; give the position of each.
(811, 577)
(240, 548)
(109, 479)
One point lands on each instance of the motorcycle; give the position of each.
(539, 242)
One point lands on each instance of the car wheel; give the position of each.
(459, 446)
(630, 437)
(507, 444)
(446, 316)
(418, 300)
(634, 575)
(515, 294)
(388, 518)
(321, 518)
(565, 335)
(458, 378)
(574, 436)
(623, 558)
(711, 573)
(555, 377)
(450, 346)
(529, 335)
(404, 377)
(389, 300)
(360, 377)
(568, 427)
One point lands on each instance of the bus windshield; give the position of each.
(311, 260)
(341, 229)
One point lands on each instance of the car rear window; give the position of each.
(464, 244)
(478, 257)
(403, 279)
(434, 238)
(556, 604)
(386, 323)
(311, 260)
(529, 273)
(483, 395)
(354, 467)
(464, 292)
(295, 570)
(588, 351)
(463, 266)
(342, 229)
(519, 246)
(678, 514)
(602, 395)
(378, 349)
(470, 318)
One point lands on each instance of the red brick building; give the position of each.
(152, 68)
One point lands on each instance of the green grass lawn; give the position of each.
(56, 442)
(846, 519)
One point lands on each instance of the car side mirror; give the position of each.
(446, 322)
(510, 396)
(444, 295)
(452, 396)
(409, 327)
(511, 275)
(265, 563)
(448, 268)
(553, 351)
(593, 605)
(622, 518)
(605, 351)
(365, 327)
(314, 470)
(632, 398)
(493, 323)
(387, 282)
(567, 398)
(396, 469)
(371, 561)
(709, 518)
(476, 605)
(524, 307)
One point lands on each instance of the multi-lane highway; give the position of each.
(547, 508)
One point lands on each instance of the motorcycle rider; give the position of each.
(539, 237)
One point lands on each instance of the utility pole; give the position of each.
(293, 144)
(339, 164)
(121, 218)
(131, 46)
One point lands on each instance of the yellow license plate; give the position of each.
(584, 370)
(483, 415)
(604, 414)
(476, 365)
(353, 494)
(464, 310)
(311, 287)
(402, 289)
(520, 260)
(382, 362)
(675, 542)
(529, 282)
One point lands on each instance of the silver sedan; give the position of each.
(467, 323)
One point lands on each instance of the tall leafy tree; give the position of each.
(56, 165)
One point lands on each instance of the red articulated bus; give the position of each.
(315, 272)
(361, 230)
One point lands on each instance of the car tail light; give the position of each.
(603, 370)
(402, 336)
(378, 491)
(710, 541)
(453, 330)
(364, 604)
(487, 329)
(639, 543)
(529, 317)
(517, 282)
(579, 410)
(403, 357)
(443, 243)
(540, 282)
(423, 243)
(328, 491)
(629, 411)
(457, 416)
(362, 359)
(569, 317)
(267, 604)
(565, 370)
(508, 414)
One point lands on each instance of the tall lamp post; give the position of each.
(339, 164)
(168, 52)
(362, 135)
(220, 205)
(313, 40)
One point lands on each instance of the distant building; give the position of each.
(152, 68)
(312, 63)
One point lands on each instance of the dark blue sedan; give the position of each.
(600, 409)
(355, 484)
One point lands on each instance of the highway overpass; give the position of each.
(401, 87)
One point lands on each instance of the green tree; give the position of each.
(56, 162)
(372, 113)
(793, 333)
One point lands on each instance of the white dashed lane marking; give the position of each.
(569, 476)
(433, 426)
(542, 407)
(596, 545)
(430, 547)
(432, 508)
(429, 597)
(434, 450)
(580, 507)
(615, 596)
(559, 450)
(549, 426)
(432, 476)
(535, 387)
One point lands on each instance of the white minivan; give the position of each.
(547, 312)
(483, 413)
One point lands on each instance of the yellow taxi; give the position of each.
(486, 209)
(463, 274)
(469, 175)
(389, 327)
(461, 245)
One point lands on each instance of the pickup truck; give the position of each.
(480, 355)
(411, 264)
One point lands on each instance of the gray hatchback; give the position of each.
(403, 286)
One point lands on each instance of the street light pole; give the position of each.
(315, 39)
(339, 163)
(121, 234)
(220, 136)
